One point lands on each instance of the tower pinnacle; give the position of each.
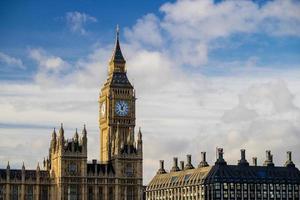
(117, 61)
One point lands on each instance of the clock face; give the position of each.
(121, 108)
(102, 109)
(72, 168)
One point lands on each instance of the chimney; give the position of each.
(220, 159)
(269, 159)
(161, 170)
(289, 162)
(189, 162)
(254, 160)
(243, 161)
(175, 167)
(182, 165)
(203, 162)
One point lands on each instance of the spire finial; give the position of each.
(117, 31)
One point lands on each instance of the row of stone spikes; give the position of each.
(23, 166)
(220, 160)
(61, 132)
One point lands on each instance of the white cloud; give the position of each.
(9, 60)
(205, 20)
(47, 62)
(180, 111)
(77, 21)
(145, 32)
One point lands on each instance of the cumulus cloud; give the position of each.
(146, 31)
(180, 111)
(204, 19)
(189, 28)
(12, 61)
(77, 21)
(47, 62)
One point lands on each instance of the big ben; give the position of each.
(67, 174)
(116, 107)
(118, 145)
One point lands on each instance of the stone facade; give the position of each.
(226, 182)
(67, 175)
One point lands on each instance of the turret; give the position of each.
(53, 140)
(38, 173)
(23, 172)
(84, 138)
(76, 137)
(7, 172)
(140, 141)
(38, 169)
(61, 136)
(130, 138)
(44, 164)
(289, 162)
(243, 161)
(161, 169)
(189, 162)
(203, 162)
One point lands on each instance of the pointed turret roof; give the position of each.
(117, 55)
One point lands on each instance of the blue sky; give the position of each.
(43, 24)
(224, 73)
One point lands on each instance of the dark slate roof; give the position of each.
(119, 79)
(101, 168)
(117, 55)
(235, 173)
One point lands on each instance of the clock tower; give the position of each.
(116, 109)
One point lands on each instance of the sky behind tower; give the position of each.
(207, 73)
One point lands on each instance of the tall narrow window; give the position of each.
(130, 193)
(29, 192)
(111, 193)
(44, 192)
(90, 193)
(100, 194)
(15, 192)
(72, 192)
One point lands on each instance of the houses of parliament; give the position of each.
(118, 175)
(66, 174)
